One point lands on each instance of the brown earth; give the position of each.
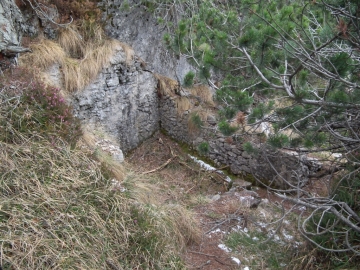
(221, 212)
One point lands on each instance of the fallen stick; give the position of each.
(160, 167)
(213, 256)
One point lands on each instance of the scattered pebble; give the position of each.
(216, 197)
(287, 236)
(224, 248)
(236, 260)
(116, 185)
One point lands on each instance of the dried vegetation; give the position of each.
(60, 206)
(81, 51)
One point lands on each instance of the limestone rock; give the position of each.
(11, 24)
(239, 184)
(248, 198)
(123, 100)
(109, 147)
(138, 28)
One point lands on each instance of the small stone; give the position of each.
(215, 197)
(241, 183)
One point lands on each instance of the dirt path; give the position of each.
(235, 224)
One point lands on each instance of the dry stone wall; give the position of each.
(277, 168)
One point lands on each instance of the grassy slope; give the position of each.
(59, 207)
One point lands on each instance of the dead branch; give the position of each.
(161, 167)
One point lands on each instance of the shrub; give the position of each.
(195, 123)
(203, 148)
(249, 148)
(228, 112)
(33, 108)
(189, 79)
(226, 129)
(278, 140)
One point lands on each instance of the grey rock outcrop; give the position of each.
(11, 28)
(138, 28)
(123, 100)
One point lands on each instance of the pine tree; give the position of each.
(305, 55)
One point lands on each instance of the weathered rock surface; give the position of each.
(123, 100)
(11, 27)
(138, 28)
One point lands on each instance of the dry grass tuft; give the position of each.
(44, 54)
(82, 52)
(79, 73)
(179, 224)
(97, 57)
(167, 86)
(71, 41)
(194, 124)
(197, 119)
(73, 79)
(59, 210)
(203, 113)
(182, 104)
(204, 93)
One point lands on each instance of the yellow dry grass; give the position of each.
(179, 223)
(77, 217)
(72, 75)
(203, 113)
(197, 119)
(82, 52)
(204, 93)
(166, 85)
(44, 54)
(73, 211)
(79, 73)
(71, 41)
(182, 104)
(92, 31)
(97, 57)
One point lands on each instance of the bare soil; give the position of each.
(219, 211)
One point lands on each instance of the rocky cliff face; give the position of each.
(14, 23)
(11, 29)
(138, 28)
(122, 100)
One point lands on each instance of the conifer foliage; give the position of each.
(296, 65)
